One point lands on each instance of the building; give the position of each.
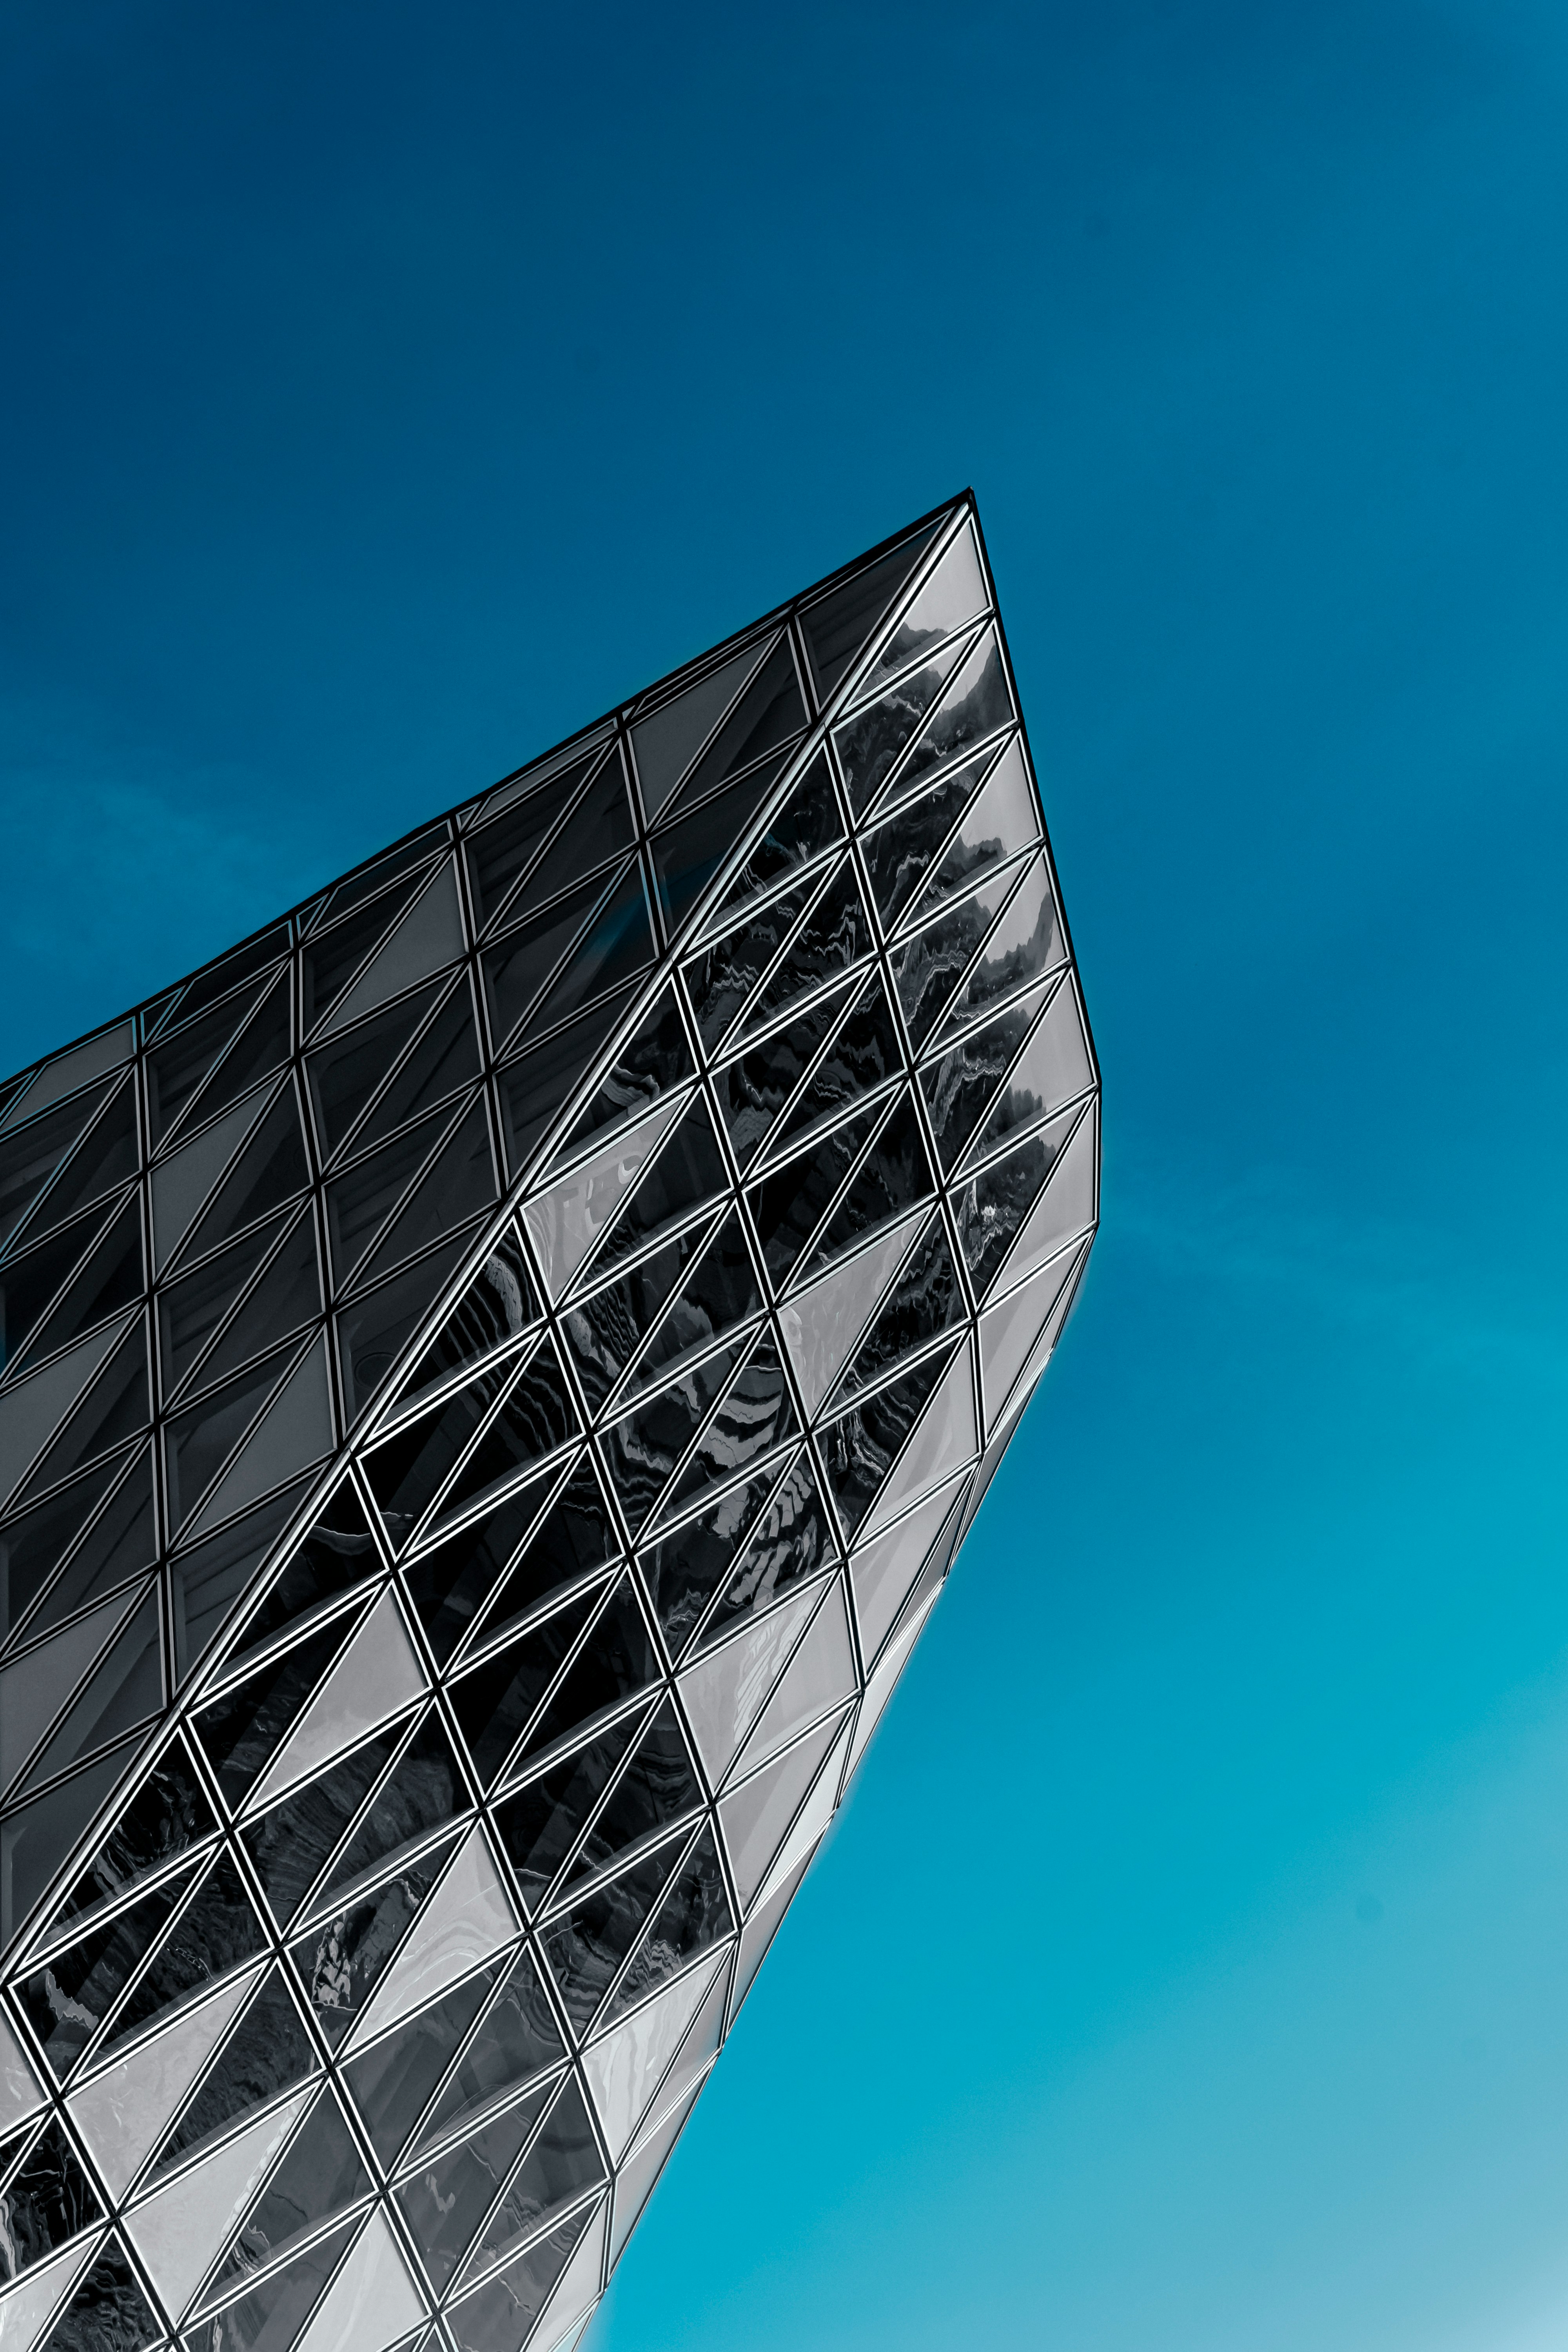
(496, 1370)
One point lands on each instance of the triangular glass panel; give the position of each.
(182, 1184)
(755, 1818)
(49, 2199)
(626, 2067)
(770, 710)
(338, 1552)
(207, 1580)
(67, 1074)
(287, 1296)
(30, 1155)
(1008, 1332)
(108, 2313)
(617, 944)
(108, 1278)
(518, 2037)
(665, 743)
(812, 1820)
(341, 1961)
(372, 2300)
(267, 2052)
(945, 1439)
(533, 1087)
(334, 956)
(290, 1844)
(684, 1568)
(613, 1662)
(191, 1309)
(276, 2312)
(494, 1702)
(391, 2086)
(37, 1835)
(721, 979)
(821, 1674)
(807, 820)
(598, 828)
(882, 1573)
(688, 855)
(1052, 1071)
(834, 936)
(894, 1174)
(953, 594)
(445, 2201)
(871, 744)
(113, 1407)
(1065, 1210)
(261, 1047)
(108, 1155)
(126, 1688)
(177, 1068)
(217, 1931)
(928, 967)
(694, 1913)
(900, 854)
(720, 1291)
(459, 1182)
(270, 1170)
(499, 2315)
(173, 2230)
(518, 967)
(563, 2161)
(657, 1788)
(67, 2000)
(498, 1306)
(35, 1688)
(408, 1472)
(502, 848)
(723, 1692)
(377, 1675)
(686, 1170)
(1004, 817)
(538, 1823)
(566, 1221)
(587, 1946)
(342, 1077)
(790, 1203)
(30, 1412)
(450, 1584)
(839, 623)
(701, 2045)
(637, 2182)
(123, 1540)
(28, 1282)
(974, 705)
(321, 2173)
(225, 1451)
(993, 1206)
(864, 1055)
(653, 1059)
(604, 1330)
(859, 1450)
(217, 979)
(536, 1416)
(167, 1813)
(374, 1328)
(122, 2113)
(446, 1058)
(960, 1087)
(823, 1322)
(428, 934)
(753, 1089)
(34, 1543)
(1025, 944)
(427, 1789)
(641, 1452)
(927, 1298)
(468, 1919)
(791, 1541)
(574, 1537)
(240, 1731)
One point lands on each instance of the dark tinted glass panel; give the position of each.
(175, 1068)
(925, 1299)
(270, 1171)
(895, 1173)
(657, 1788)
(199, 1441)
(720, 1290)
(115, 1407)
(755, 1414)
(686, 1170)
(686, 856)
(345, 1074)
(240, 1730)
(427, 1789)
(392, 2085)
(694, 1913)
(518, 967)
(125, 1688)
(47, 2201)
(642, 1451)
(373, 1330)
(573, 1538)
(499, 852)
(450, 1584)
(788, 1205)
(838, 625)
(975, 704)
(108, 2313)
(207, 1580)
(616, 1659)
(458, 1182)
(959, 1087)
(334, 955)
(540, 1823)
(498, 2316)
(190, 1310)
(928, 967)
(653, 1059)
(1026, 942)
(684, 1570)
(338, 1552)
(321, 2173)
(790, 1540)
(807, 820)
(37, 1834)
(287, 1296)
(871, 744)
(340, 1962)
(600, 824)
(616, 944)
(267, 2051)
(536, 1416)
(533, 1088)
(407, 1473)
(604, 1332)
(290, 1844)
(444, 2203)
(218, 1929)
(834, 935)
(446, 1058)
(358, 1202)
(770, 709)
(992, 1206)
(30, 1155)
(498, 1305)
(899, 856)
(519, 2036)
(32, 1543)
(586, 1947)
(261, 1046)
(563, 2161)
(494, 1702)
(272, 2316)
(753, 1091)
(865, 1054)
(109, 1279)
(167, 1813)
(859, 1451)
(217, 979)
(721, 979)
(69, 1999)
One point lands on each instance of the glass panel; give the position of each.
(839, 623)
(694, 1913)
(755, 1414)
(125, 1690)
(290, 1845)
(562, 2162)
(190, 1310)
(270, 1170)
(446, 1058)
(113, 1408)
(822, 1324)
(702, 2042)
(821, 1673)
(67, 1999)
(167, 1813)
(835, 935)
(377, 1675)
(333, 955)
(927, 968)
(520, 965)
(653, 1059)
(565, 1222)
(30, 1157)
(1052, 1070)
(757, 1815)
(926, 1299)
(518, 2037)
(296, 1428)
(122, 2113)
(271, 2318)
(33, 1838)
(407, 1472)
(372, 1332)
(501, 849)
(533, 1087)
(216, 978)
(635, 2185)
(883, 1573)
(240, 1730)
(371, 2302)
(217, 1930)
(976, 704)
(1004, 817)
(657, 1788)
(684, 1569)
(895, 1173)
(321, 2173)
(175, 1069)
(338, 1552)
(360, 1202)
(898, 856)
(468, 1919)
(499, 2315)
(341, 1961)
(790, 1201)
(287, 1294)
(428, 1788)
(121, 1541)
(688, 856)
(33, 1544)
(864, 1055)
(33, 1691)
(947, 1437)
(493, 1704)
(770, 710)
(955, 592)
(664, 744)
(792, 1540)
(641, 1452)
(108, 2313)
(871, 744)
(71, 1070)
(604, 1333)
(684, 1171)
(1064, 1209)
(1008, 1332)
(204, 1582)
(626, 2067)
(599, 828)
(617, 1660)
(342, 1076)
(991, 1208)
(428, 936)
(450, 1584)
(109, 1279)
(753, 1089)
(959, 1087)
(1027, 943)
(586, 1947)
(806, 821)
(536, 1415)
(47, 2201)
(261, 1047)
(539, 1825)
(616, 944)
(721, 979)
(858, 1451)
(107, 1157)
(391, 2085)
(722, 1291)
(723, 1694)
(267, 2052)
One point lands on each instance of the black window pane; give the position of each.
(218, 1929)
(539, 1825)
(67, 1999)
(494, 1702)
(427, 1789)
(694, 1913)
(450, 1584)
(49, 2199)
(807, 820)
(168, 1812)
(859, 1451)
(790, 1540)
(721, 979)
(340, 1961)
(342, 1076)
(753, 1089)
(407, 1472)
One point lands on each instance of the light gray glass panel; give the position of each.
(1008, 1331)
(376, 1675)
(30, 1412)
(999, 822)
(182, 1183)
(178, 2230)
(37, 1686)
(468, 1917)
(123, 2113)
(565, 1222)
(371, 2303)
(1053, 1068)
(1064, 1210)
(21, 2093)
(67, 1071)
(821, 1672)
(428, 936)
(757, 1815)
(626, 2067)
(723, 1694)
(666, 745)
(945, 1438)
(882, 1573)
(955, 592)
(635, 2185)
(578, 2291)
(27, 2308)
(822, 1324)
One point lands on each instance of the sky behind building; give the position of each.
(395, 389)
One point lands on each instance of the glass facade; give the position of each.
(493, 1375)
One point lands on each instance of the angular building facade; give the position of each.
(495, 1371)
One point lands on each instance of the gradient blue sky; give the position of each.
(392, 387)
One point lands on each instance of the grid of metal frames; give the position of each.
(494, 1373)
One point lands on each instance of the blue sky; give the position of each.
(390, 389)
